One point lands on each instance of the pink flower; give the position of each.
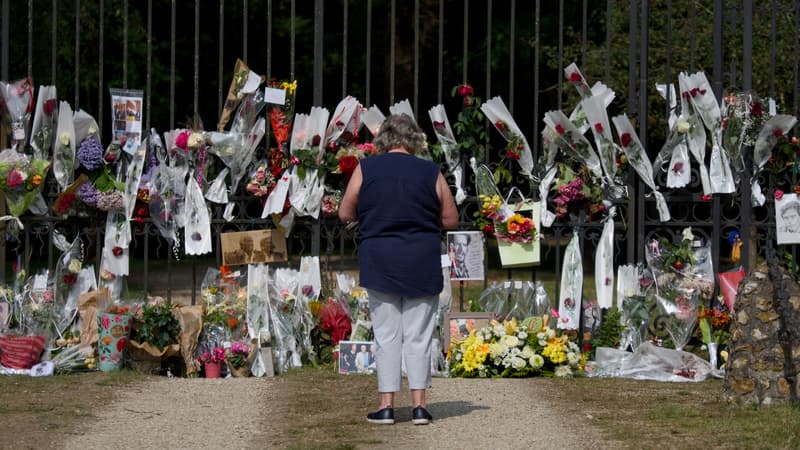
(295, 161)
(778, 194)
(182, 140)
(706, 198)
(105, 322)
(14, 179)
(554, 313)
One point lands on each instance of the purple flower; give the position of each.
(88, 194)
(90, 153)
(308, 290)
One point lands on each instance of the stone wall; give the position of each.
(764, 349)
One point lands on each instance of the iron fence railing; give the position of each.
(180, 52)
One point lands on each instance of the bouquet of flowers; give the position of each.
(512, 349)
(238, 354)
(282, 286)
(576, 190)
(714, 324)
(469, 128)
(280, 116)
(21, 178)
(636, 299)
(225, 298)
(216, 355)
(505, 222)
(684, 278)
(64, 152)
(517, 148)
(43, 131)
(775, 128)
(17, 98)
(449, 147)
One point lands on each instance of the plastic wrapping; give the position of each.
(64, 151)
(282, 288)
(604, 262)
(18, 99)
(447, 141)
(43, 132)
(570, 294)
(649, 362)
(496, 111)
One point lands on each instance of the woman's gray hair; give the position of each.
(400, 130)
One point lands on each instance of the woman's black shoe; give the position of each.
(421, 416)
(383, 417)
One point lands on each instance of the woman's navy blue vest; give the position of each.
(399, 216)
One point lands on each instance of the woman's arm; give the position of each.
(449, 214)
(348, 208)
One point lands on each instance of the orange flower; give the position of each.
(513, 227)
(232, 322)
(483, 349)
(36, 180)
(224, 271)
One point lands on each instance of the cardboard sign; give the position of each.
(250, 247)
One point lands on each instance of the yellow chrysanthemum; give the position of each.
(289, 87)
(475, 352)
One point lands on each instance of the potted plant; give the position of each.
(212, 361)
(155, 336)
(238, 358)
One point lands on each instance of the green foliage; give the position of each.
(470, 126)
(159, 327)
(610, 332)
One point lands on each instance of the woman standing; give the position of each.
(402, 204)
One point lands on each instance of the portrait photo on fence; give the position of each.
(465, 252)
(251, 247)
(458, 325)
(356, 357)
(787, 219)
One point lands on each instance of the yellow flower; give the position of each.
(511, 326)
(36, 180)
(290, 87)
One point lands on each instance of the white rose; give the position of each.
(196, 140)
(511, 341)
(683, 126)
(64, 139)
(527, 352)
(572, 359)
(563, 371)
(74, 266)
(92, 130)
(687, 234)
(518, 363)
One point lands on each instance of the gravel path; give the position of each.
(254, 413)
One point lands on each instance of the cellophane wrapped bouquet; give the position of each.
(684, 278)
(516, 349)
(21, 178)
(224, 293)
(282, 298)
(356, 300)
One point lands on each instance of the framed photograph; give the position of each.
(465, 251)
(457, 325)
(787, 219)
(250, 247)
(356, 357)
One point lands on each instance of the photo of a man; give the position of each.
(465, 255)
(356, 357)
(787, 219)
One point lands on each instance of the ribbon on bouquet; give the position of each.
(447, 140)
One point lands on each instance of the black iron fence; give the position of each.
(181, 54)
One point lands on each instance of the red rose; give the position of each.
(511, 154)
(347, 165)
(777, 132)
(706, 198)
(14, 179)
(110, 157)
(70, 278)
(465, 90)
(438, 125)
(347, 136)
(117, 251)
(121, 344)
(598, 127)
(575, 77)
(49, 106)
(501, 125)
(488, 230)
(316, 140)
(626, 139)
(756, 108)
(678, 265)
(559, 129)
